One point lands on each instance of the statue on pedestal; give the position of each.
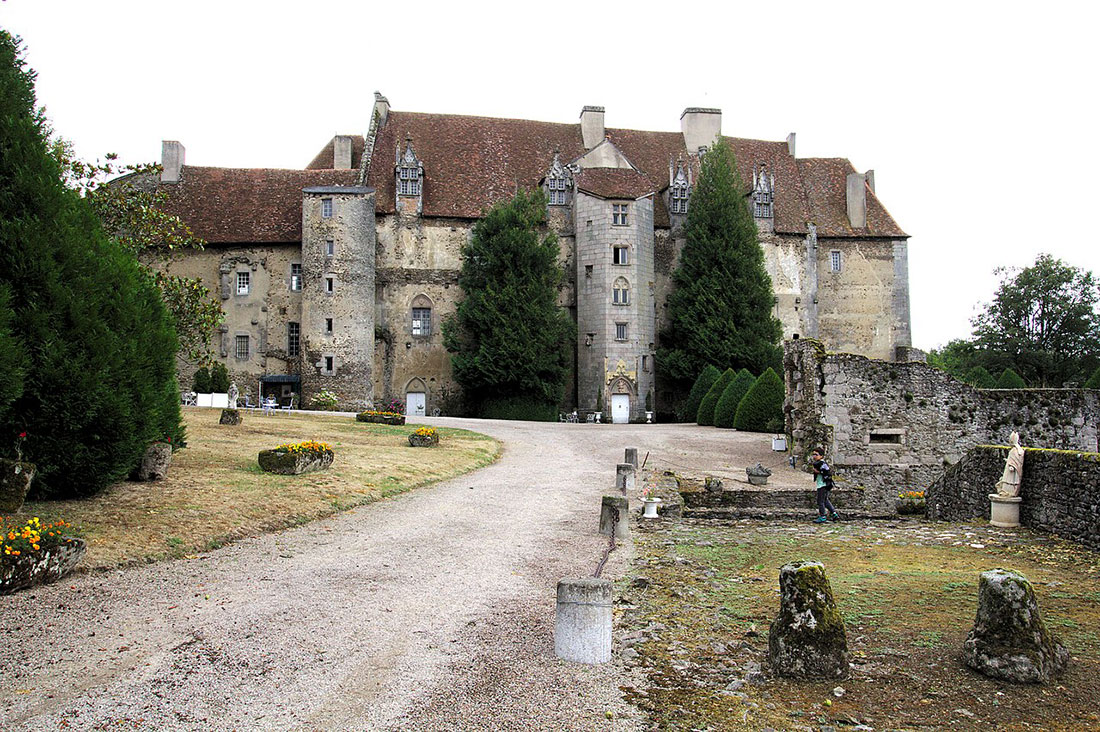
(1009, 484)
(233, 394)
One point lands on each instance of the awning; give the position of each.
(281, 379)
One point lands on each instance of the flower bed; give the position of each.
(910, 502)
(376, 417)
(297, 458)
(424, 437)
(34, 554)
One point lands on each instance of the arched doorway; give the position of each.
(416, 398)
(622, 397)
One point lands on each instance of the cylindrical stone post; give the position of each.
(624, 478)
(614, 516)
(632, 457)
(582, 630)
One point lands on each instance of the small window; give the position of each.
(408, 180)
(619, 213)
(621, 255)
(588, 271)
(834, 261)
(557, 190)
(421, 321)
(645, 363)
(242, 283)
(330, 284)
(295, 277)
(328, 326)
(330, 364)
(330, 247)
(293, 339)
(242, 347)
(326, 208)
(885, 437)
(620, 294)
(620, 331)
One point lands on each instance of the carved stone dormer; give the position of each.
(559, 182)
(763, 191)
(679, 187)
(409, 177)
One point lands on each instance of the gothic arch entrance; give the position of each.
(416, 398)
(622, 400)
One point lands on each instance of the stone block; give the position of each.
(614, 518)
(154, 464)
(15, 480)
(807, 638)
(230, 417)
(582, 627)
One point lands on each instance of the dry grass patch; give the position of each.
(215, 491)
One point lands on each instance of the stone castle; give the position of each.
(338, 276)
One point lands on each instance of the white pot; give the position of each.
(598, 416)
(651, 507)
(649, 417)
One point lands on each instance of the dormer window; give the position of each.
(763, 192)
(679, 189)
(409, 173)
(408, 183)
(559, 181)
(619, 213)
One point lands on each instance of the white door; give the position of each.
(414, 404)
(620, 408)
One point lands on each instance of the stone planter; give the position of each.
(424, 440)
(910, 506)
(15, 480)
(375, 418)
(49, 565)
(648, 417)
(758, 480)
(758, 474)
(295, 463)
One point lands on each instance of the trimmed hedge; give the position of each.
(1010, 380)
(699, 389)
(219, 378)
(705, 415)
(201, 383)
(979, 378)
(726, 409)
(518, 408)
(762, 408)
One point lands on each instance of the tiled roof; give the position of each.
(615, 183)
(825, 181)
(237, 205)
(324, 159)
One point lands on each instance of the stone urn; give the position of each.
(284, 462)
(758, 474)
(648, 417)
(910, 505)
(37, 568)
(650, 507)
(16, 477)
(424, 440)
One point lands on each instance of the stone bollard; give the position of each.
(230, 417)
(155, 462)
(615, 506)
(624, 478)
(807, 639)
(632, 457)
(582, 630)
(1009, 640)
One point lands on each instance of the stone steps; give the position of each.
(732, 513)
(765, 498)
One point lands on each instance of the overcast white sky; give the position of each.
(979, 118)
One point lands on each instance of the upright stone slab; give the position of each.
(631, 457)
(1009, 640)
(155, 462)
(807, 639)
(624, 478)
(582, 628)
(614, 517)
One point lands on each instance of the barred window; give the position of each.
(293, 339)
(421, 321)
(242, 283)
(619, 213)
(295, 277)
(242, 347)
(326, 208)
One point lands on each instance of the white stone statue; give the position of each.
(1009, 484)
(233, 394)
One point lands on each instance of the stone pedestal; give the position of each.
(614, 518)
(807, 639)
(624, 478)
(631, 456)
(230, 417)
(1004, 511)
(15, 480)
(582, 628)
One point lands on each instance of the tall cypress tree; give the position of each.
(91, 335)
(508, 336)
(721, 308)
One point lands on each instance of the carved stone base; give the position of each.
(1004, 511)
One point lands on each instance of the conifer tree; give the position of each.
(979, 378)
(762, 408)
(726, 409)
(98, 349)
(699, 389)
(705, 415)
(508, 336)
(1010, 380)
(721, 308)
(1093, 381)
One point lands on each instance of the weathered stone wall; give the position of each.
(1060, 491)
(896, 426)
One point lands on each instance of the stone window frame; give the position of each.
(239, 340)
(330, 326)
(420, 316)
(244, 283)
(408, 180)
(620, 295)
(620, 214)
(895, 437)
(326, 208)
(330, 247)
(836, 262)
(678, 195)
(621, 332)
(763, 192)
(557, 191)
(624, 258)
(296, 277)
(328, 363)
(293, 339)
(330, 284)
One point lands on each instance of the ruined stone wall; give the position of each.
(1060, 491)
(896, 426)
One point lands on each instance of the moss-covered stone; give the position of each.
(295, 463)
(379, 418)
(231, 417)
(15, 480)
(807, 638)
(37, 568)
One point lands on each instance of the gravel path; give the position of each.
(433, 610)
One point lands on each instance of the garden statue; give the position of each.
(1009, 484)
(233, 394)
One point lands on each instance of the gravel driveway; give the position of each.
(432, 610)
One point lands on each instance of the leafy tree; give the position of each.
(1044, 320)
(508, 336)
(957, 357)
(721, 308)
(980, 378)
(1094, 380)
(705, 415)
(726, 409)
(99, 383)
(690, 408)
(762, 408)
(1010, 380)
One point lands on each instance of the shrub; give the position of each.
(518, 408)
(699, 389)
(1010, 380)
(705, 415)
(13, 359)
(979, 378)
(202, 383)
(325, 400)
(1094, 380)
(219, 378)
(726, 408)
(761, 410)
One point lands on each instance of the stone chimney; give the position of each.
(790, 144)
(592, 130)
(701, 127)
(381, 109)
(341, 152)
(857, 200)
(171, 160)
(869, 176)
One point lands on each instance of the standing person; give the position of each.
(823, 479)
